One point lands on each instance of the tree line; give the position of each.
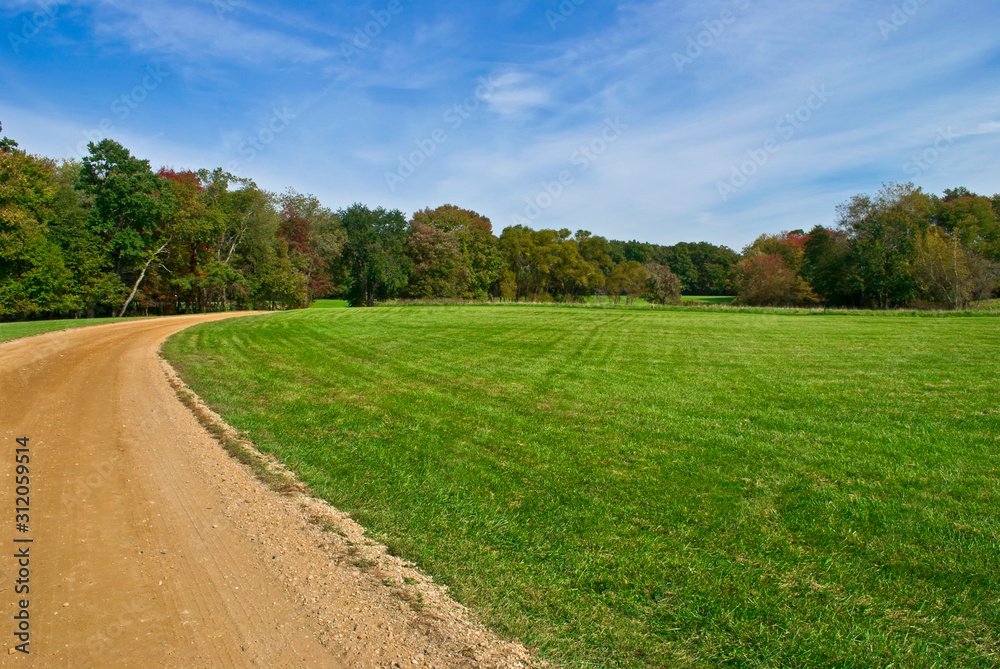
(108, 235)
(900, 247)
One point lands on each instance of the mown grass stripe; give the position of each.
(640, 488)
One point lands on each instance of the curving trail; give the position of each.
(145, 552)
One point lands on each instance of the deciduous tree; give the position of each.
(949, 273)
(828, 266)
(629, 279)
(663, 287)
(767, 281)
(374, 253)
(883, 231)
(33, 275)
(132, 210)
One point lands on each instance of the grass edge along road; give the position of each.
(20, 329)
(643, 488)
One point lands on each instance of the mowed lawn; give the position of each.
(652, 488)
(710, 299)
(329, 304)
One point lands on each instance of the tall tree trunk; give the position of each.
(142, 276)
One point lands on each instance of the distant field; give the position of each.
(330, 304)
(987, 305)
(711, 299)
(10, 331)
(652, 488)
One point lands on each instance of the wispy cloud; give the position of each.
(199, 32)
(988, 128)
(514, 93)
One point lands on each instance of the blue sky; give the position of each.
(657, 121)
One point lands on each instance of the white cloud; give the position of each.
(515, 94)
(197, 32)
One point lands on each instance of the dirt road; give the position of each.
(149, 547)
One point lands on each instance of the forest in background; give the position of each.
(108, 235)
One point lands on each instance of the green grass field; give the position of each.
(710, 299)
(329, 304)
(686, 299)
(10, 331)
(652, 488)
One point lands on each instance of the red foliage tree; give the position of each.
(766, 280)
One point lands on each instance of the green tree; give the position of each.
(259, 252)
(883, 231)
(315, 240)
(571, 276)
(475, 272)
(7, 145)
(83, 248)
(545, 254)
(33, 275)
(949, 273)
(629, 279)
(828, 266)
(481, 254)
(713, 265)
(133, 210)
(663, 286)
(247, 243)
(679, 259)
(438, 269)
(596, 251)
(517, 246)
(972, 218)
(194, 229)
(374, 253)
